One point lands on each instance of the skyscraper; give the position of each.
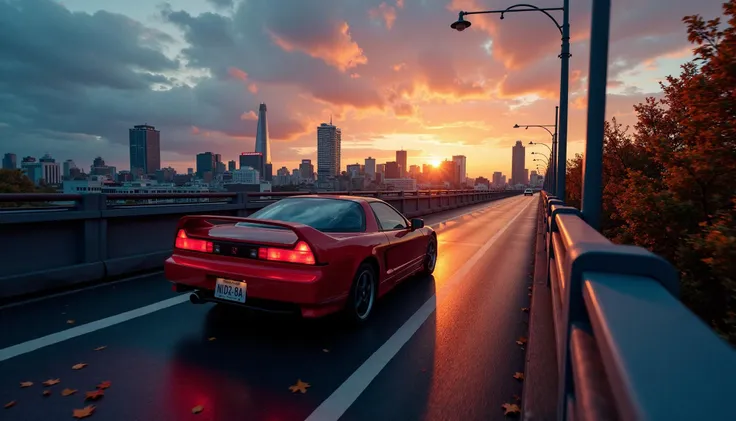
(462, 167)
(263, 145)
(401, 160)
(145, 150)
(329, 140)
(518, 156)
(370, 167)
(10, 161)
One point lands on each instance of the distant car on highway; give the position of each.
(528, 192)
(311, 255)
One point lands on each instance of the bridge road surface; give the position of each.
(438, 348)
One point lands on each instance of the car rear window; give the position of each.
(326, 215)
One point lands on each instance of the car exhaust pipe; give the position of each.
(194, 298)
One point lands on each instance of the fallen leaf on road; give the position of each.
(70, 322)
(26, 384)
(519, 376)
(211, 339)
(100, 348)
(521, 341)
(530, 288)
(46, 392)
(67, 392)
(197, 409)
(511, 409)
(93, 396)
(84, 412)
(51, 382)
(525, 309)
(517, 398)
(530, 294)
(9, 404)
(300, 386)
(79, 366)
(104, 385)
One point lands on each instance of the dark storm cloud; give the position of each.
(76, 77)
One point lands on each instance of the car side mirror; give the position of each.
(417, 223)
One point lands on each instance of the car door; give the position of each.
(404, 249)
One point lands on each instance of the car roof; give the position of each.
(335, 196)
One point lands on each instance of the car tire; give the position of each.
(430, 256)
(363, 294)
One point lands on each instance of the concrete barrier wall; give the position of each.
(96, 237)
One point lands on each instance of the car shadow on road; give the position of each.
(265, 353)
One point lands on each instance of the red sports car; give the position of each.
(312, 255)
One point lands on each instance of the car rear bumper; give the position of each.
(276, 287)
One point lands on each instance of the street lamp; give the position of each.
(554, 187)
(461, 24)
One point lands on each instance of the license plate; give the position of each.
(227, 289)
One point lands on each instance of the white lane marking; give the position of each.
(481, 209)
(54, 338)
(348, 392)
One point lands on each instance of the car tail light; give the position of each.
(185, 243)
(301, 253)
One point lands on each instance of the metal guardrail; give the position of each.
(627, 348)
(93, 237)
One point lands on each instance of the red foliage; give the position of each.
(670, 187)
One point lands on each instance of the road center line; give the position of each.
(348, 392)
(54, 338)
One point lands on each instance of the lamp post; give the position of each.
(553, 187)
(461, 24)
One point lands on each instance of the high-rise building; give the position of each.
(263, 144)
(67, 168)
(253, 160)
(205, 163)
(393, 169)
(306, 169)
(10, 161)
(231, 166)
(496, 181)
(145, 150)
(329, 141)
(401, 160)
(518, 156)
(370, 168)
(461, 167)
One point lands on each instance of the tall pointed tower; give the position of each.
(262, 143)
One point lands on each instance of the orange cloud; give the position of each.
(404, 109)
(340, 52)
(385, 12)
(249, 115)
(237, 73)
(253, 88)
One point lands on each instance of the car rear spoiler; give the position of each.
(315, 238)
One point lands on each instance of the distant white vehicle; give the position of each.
(528, 192)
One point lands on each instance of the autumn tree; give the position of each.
(14, 181)
(670, 187)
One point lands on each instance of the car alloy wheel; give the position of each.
(430, 259)
(364, 293)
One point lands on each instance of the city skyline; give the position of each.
(415, 95)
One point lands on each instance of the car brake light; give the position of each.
(301, 253)
(185, 243)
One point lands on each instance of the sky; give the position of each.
(76, 74)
